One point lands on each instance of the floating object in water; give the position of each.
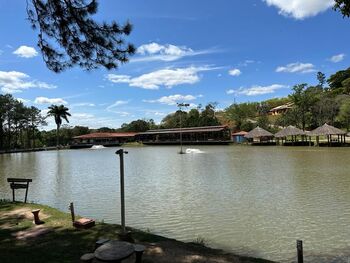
(97, 147)
(189, 150)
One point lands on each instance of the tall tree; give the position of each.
(59, 113)
(321, 77)
(343, 6)
(69, 36)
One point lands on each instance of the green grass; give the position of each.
(67, 244)
(63, 244)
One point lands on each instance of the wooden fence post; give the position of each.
(300, 251)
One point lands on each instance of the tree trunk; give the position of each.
(57, 135)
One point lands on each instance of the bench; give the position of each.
(19, 183)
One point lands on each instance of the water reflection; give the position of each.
(251, 200)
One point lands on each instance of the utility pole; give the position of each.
(181, 105)
(122, 192)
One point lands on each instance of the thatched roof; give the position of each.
(326, 129)
(289, 131)
(257, 133)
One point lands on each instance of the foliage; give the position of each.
(18, 124)
(59, 113)
(194, 118)
(138, 126)
(242, 113)
(344, 114)
(339, 82)
(321, 77)
(343, 6)
(68, 35)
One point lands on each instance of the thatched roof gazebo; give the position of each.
(289, 131)
(264, 136)
(329, 131)
(292, 132)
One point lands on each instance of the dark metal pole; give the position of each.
(122, 193)
(300, 251)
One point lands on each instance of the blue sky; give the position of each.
(188, 51)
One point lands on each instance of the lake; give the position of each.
(254, 201)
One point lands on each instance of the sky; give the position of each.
(190, 51)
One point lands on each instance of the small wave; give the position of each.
(189, 150)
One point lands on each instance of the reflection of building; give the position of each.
(193, 135)
(281, 109)
(238, 137)
(102, 138)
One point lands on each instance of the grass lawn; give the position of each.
(63, 243)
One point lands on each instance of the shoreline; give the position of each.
(16, 218)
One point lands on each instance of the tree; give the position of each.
(59, 113)
(338, 80)
(68, 35)
(241, 113)
(138, 126)
(343, 6)
(344, 114)
(321, 77)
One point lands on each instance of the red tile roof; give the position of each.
(105, 135)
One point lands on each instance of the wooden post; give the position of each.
(71, 208)
(122, 194)
(13, 194)
(300, 251)
(25, 198)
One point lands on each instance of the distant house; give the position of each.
(238, 137)
(281, 109)
(103, 138)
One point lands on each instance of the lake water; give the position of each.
(253, 201)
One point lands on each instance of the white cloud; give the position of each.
(44, 100)
(23, 100)
(297, 68)
(230, 91)
(116, 104)
(83, 104)
(172, 99)
(25, 52)
(235, 72)
(257, 90)
(14, 81)
(337, 58)
(165, 77)
(167, 52)
(300, 9)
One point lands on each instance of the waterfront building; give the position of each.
(193, 135)
(238, 137)
(102, 138)
(279, 110)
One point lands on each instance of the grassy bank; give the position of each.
(58, 241)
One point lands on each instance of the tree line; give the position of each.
(312, 106)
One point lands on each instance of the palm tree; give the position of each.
(59, 113)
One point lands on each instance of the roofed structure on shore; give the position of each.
(290, 131)
(192, 135)
(258, 133)
(329, 131)
(325, 130)
(281, 109)
(238, 137)
(104, 138)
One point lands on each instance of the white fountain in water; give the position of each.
(191, 150)
(97, 147)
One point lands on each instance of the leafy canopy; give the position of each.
(68, 35)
